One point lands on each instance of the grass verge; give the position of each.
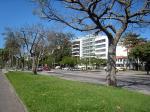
(51, 94)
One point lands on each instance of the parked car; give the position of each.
(117, 68)
(66, 68)
(57, 67)
(40, 68)
(105, 68)
(120, 68)
(46, 68)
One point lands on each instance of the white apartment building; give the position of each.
(91, 46)
(97, 46)
(76, 48)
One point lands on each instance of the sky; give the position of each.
(14, 13)
(17, 13)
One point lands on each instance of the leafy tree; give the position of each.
(4, 57)
(69, 61)
(49, 59)
(98, 62)
(12, 44)
(142, 53)
(132, 39)
(85, 61)
(60, 45)
(112, 17)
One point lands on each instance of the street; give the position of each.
(132, 80)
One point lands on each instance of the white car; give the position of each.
(117, 68)
(66, 68)
(120, 68)
(57, 67)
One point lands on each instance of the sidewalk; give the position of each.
(9, 102)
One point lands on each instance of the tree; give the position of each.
(4, 57)
(97, 62)
(35, 41)
(130, 41)
(12, 44)
(143, 54)
(60, 45)
(85, 61)
(112, 17)
(69, 61)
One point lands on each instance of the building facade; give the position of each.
(97, 46)
(76, 48)
(90, 46)
(121, 55)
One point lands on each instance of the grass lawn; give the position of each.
(51, 94)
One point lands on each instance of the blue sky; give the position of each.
(16, 13)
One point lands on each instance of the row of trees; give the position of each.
(73, 61)
(140, 54)
(32, 45)
(138, 50)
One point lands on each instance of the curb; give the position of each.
(16, 95)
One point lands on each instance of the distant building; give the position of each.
(90, 46)
(76, 48)
(121, 55)
(97, 46)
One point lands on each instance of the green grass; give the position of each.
(51, 94)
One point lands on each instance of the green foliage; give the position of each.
(93, 61)
(132, 40)
(12, 42)
(4, 57)
(62, 46)
(48, 60)
(85, 61)
(51, 94)
(98, 62)
(70, 61)
(142, 52)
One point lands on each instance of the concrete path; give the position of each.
(132, 80)
(9, 102)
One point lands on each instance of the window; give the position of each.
(102, 55)
(100, 41)
(101, 50)
(100, 46)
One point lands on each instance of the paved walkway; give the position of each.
(9, 102)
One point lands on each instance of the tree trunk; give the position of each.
(34, 65)
(22, 64)
(111, 66)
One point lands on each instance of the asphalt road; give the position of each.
(132, 80)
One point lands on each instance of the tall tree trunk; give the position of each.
(111, 66)
(34, 65)
(22, 63)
